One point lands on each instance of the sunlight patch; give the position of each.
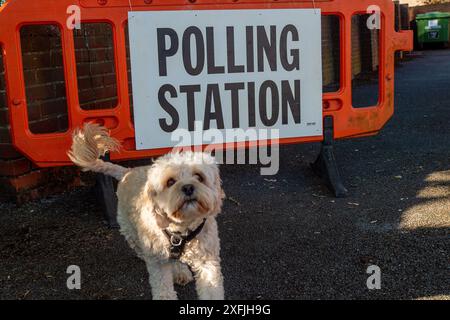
(439, 297)
(433, 211)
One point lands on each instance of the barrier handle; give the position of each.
(403, 40)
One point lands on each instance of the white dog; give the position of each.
(166, 212)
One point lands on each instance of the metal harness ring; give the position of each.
(175, 240)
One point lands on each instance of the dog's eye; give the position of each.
(170, 182)
(199, 177)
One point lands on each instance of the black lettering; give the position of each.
(212, 68)
(265, 119)
(295, 53)
(266, 47)
(250, 49)
(231, 59)
(213, 94)
(170, 109)
(200, 50)
(190, 91)
(251, 105)
(163, 52)
(288, 99)
(234, 88)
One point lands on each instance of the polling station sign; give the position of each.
(228, 69)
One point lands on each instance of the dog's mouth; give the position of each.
(189, 202)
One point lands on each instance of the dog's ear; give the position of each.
(161, 220)
(159, 215)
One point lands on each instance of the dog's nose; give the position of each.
(188, 189)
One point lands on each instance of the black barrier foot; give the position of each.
(325, 166)
(106, 195)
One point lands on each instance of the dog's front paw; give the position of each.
(169, 295)
(181, 274)
(183, 279)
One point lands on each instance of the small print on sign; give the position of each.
(228, 69)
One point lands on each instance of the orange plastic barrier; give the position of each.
(50, 149)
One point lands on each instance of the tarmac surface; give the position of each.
(283, 236)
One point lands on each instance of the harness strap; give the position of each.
(178, 241)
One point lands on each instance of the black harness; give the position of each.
(178, 241)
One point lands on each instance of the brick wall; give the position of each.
(94, 51)
(330, 53)
(365, 51)
(365, 48)
(356, 46)
(413, 11)
(44, 78)
(404, 17)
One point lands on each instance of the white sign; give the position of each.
(433, 24)
(248, 69)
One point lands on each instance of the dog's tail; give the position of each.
(89, 144)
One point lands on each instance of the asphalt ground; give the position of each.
(283, 237)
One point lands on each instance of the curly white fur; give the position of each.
(89, 144)
(148, 204)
